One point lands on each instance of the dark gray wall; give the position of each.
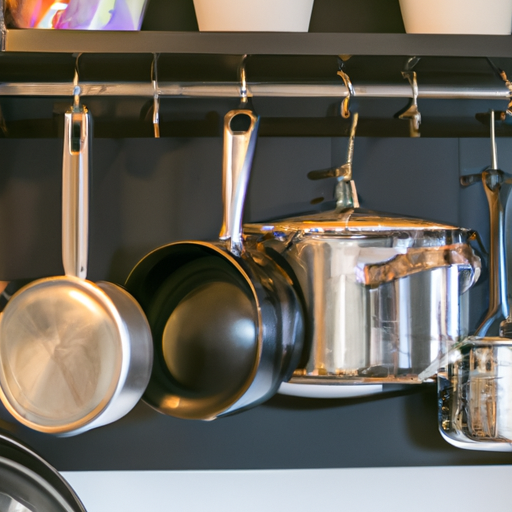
(149, 192)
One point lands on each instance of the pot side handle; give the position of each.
(420, 259)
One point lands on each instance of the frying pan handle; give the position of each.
(240, 135)
(75, 191)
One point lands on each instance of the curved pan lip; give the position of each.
(238, 263)
(47, 466)
(86, 422)
(322, 390)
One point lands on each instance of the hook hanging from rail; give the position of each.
(501, 74)
(345, 103)
(156, 96)
(411, 112)
(77, 90)
(242, 75)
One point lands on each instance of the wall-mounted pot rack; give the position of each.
(124, 80)
(263, 90)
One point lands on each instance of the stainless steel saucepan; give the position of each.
(227, 323)
(475, 379)
(74, 355)
(385, 295)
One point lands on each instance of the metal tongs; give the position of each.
(346, 193)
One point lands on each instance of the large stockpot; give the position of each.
(384, 295)
(227, 323)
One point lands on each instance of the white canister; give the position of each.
(457, 16)
(253, 15)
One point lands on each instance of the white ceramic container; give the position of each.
(457, 16)
(253, 15)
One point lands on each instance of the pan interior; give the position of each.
(205, 323)
(23, 490)
(60, 352)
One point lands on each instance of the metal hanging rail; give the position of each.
(232, 90)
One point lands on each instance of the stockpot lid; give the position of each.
(359, 223)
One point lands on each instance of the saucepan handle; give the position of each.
(240, 135)
(420, 259)
(75, 191)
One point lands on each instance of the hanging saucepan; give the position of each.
(227, 324)
(74, 355)
(383, 293)
(475, 378)
(29, 484)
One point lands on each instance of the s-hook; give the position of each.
(345, 103)
(156, 96)
(507, 82)
(242, 74)
(77, 90)
(411, 112)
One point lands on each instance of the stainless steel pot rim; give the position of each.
(34, 477)
(241, 265)
(35, 456)
(119, 370)
(487, 341)
(356, 223)
(404, 237)
(466, 443)
(346, 380)
(219, 249)
(313, 390)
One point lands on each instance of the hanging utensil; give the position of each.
(475, 381)
(226, 322)
(346, 193)
(74, 355)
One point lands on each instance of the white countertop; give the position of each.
(417, 489)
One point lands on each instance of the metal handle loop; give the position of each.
(242, 73)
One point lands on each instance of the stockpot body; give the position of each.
(384, 295)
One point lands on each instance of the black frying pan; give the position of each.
(227, 324)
